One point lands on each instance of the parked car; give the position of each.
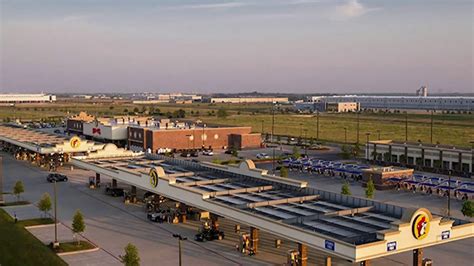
(115, 192)
(55, 177)
(207, 152)
(194, 154)
(157, 217)
(186, 154)
(57, 131)
(263, 156)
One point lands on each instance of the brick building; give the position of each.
(193, 138)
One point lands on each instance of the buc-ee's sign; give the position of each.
(420, 226)
(153, 177)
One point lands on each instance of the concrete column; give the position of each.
(417, 257)
(328, 261)
(254, 239)
(303, 250)
(182, 216)
(114, 183)
(97, 179)
(133, 191)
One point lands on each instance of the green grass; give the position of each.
(19, 247)
(453, 129)
(37, 221)
(73, 246)
(15, 203)
(447, 129)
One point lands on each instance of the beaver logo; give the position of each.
(75, 142)
(421, 226)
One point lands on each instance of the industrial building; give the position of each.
(332, 107)
(423, 156)
(27, 98)
(143, 133)
(250, 100)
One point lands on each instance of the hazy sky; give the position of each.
(233, 46)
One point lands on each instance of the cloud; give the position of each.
(224, 5)
(351, 9)
(302, 2)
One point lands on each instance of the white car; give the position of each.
(208, 152)
(263, 156)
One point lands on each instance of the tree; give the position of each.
(468, 208)
(345, 190)
(283, 172)
(135, 110)
(125, 111)
(296, 152)
(18, 189)
(179, 113)
(78, 225)
(370, 190)
(356, 150)
(44, 204)
(131, 257)
(222, 113)
(234, 152)
(345, 152)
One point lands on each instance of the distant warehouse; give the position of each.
(450, 103)
(27, 98)
(250, 100)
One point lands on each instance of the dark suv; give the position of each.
(56, 178)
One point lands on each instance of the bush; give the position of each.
(345, 190)
(18, 189)
(283, 172)
(44, 204)
(296, 152)
(468, 208)
(370, 190)
(222, 113)
(131, 257)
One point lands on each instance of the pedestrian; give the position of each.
(16, 219)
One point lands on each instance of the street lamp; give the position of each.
(406, 126)
(345, 135)
(368, 148)
(180, 238)
(262, 125)
(55, 243)
(358, 126)
(317, 125)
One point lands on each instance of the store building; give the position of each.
(27, 98)
(440, 158)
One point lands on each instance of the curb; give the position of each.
(40, 226)
(77, 252)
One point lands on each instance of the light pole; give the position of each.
(431, 128)
(358, 124)
(262, 126)
(56, 243)
(345, 135)
(472, 158)
(406, 126)
(449, 193)
(368, 148)
(378, 134)
(306, 143)
(317, 125)
(180, 238)
(301, 130)
(273, 131)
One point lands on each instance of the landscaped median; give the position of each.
(75, 247)
(14, 203)
(19, 247)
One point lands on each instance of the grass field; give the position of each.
(19, 247)
(447, 129)
(37, 221)
(454, 129)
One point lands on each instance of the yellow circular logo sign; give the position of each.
(153, 177)
(75, 142)
(420, 226)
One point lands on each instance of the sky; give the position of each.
(206, 46)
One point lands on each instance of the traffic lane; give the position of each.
(110, 227)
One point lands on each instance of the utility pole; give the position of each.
(262, 125)
(449, 193)
(273, 131)
(431, 127)
(358, 123)
(378, 134)
(345, 135)
(180, 238)
(368, 148)
(56, 243)
(317, 125)
(406, 126)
